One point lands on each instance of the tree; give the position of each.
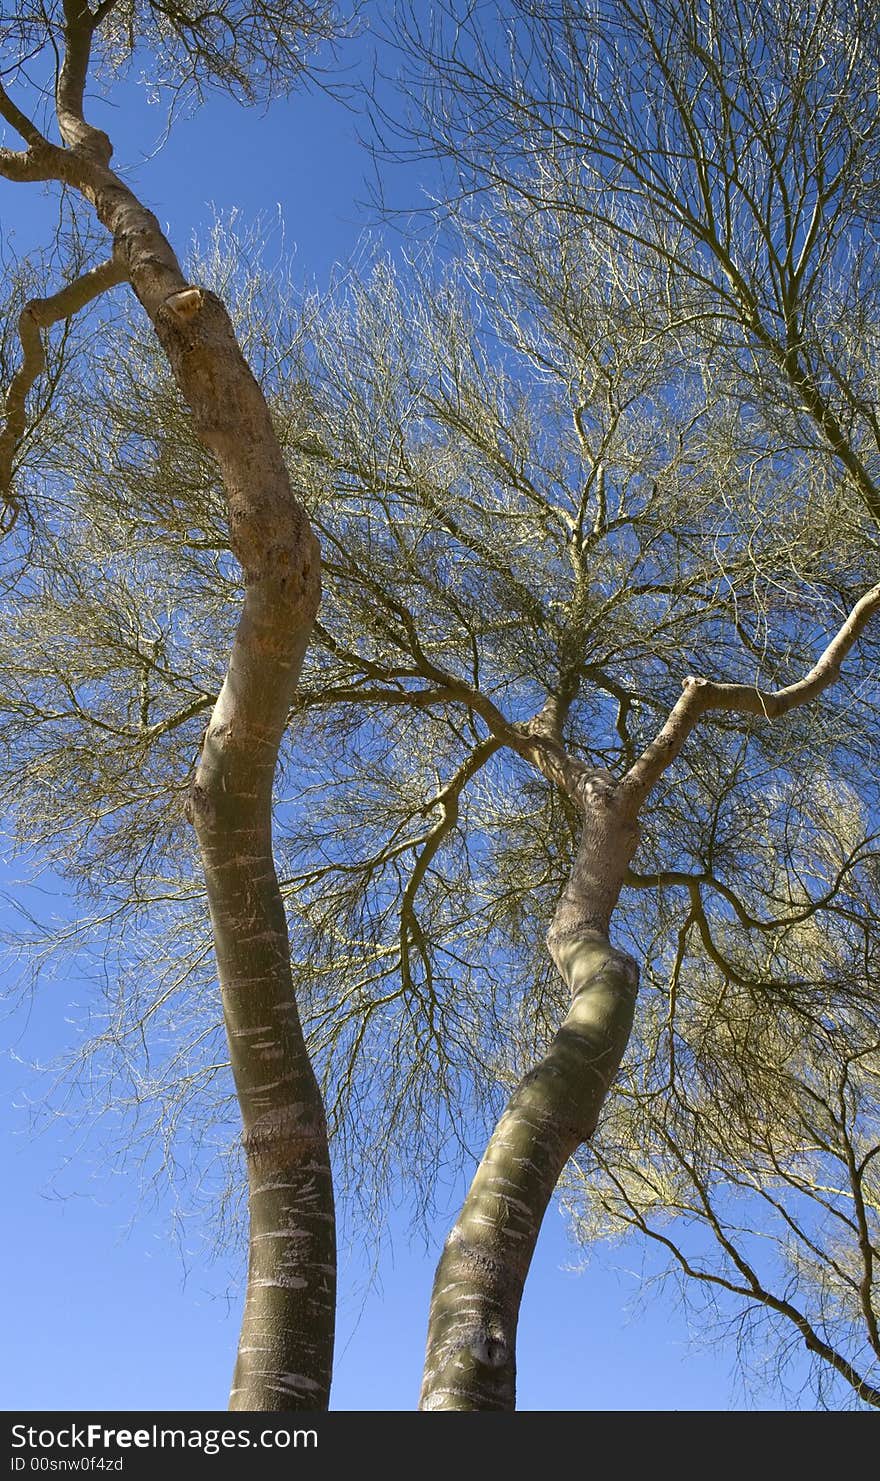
(733, 150)
(246, 49)
(549, 486)
(515, 480)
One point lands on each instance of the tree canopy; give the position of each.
(596, 495)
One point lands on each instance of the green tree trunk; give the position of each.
(286, 1348)
(471, 1355)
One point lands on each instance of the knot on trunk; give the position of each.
(596, 788)
(282, 1136)
(490, 1352)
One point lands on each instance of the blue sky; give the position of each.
(96, 1285)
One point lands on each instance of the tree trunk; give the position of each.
(471, 1355)
(286, 1348)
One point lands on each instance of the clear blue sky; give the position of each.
(102, 1310)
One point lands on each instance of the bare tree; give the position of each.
(547, 487)
(245, 48)
(598, 583)
(732, 151)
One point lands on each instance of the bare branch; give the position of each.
(669, 878)
(28, 165)
(39, 314)
(448, 802)
(79, 28)
(755, 1287)
(40, 161)
(21, 123)
(702, 695)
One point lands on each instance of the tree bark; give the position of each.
(471, 1354)
(286, 1348)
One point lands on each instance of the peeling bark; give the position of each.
(471, 1355)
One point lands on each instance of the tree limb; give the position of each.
(39, 314)
(669, 878)
(702, 695)
(448, 802)
(26, 165)
(79, 28)
(21, 123)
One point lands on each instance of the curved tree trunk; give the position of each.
(471, 1355)
(286, 1348)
